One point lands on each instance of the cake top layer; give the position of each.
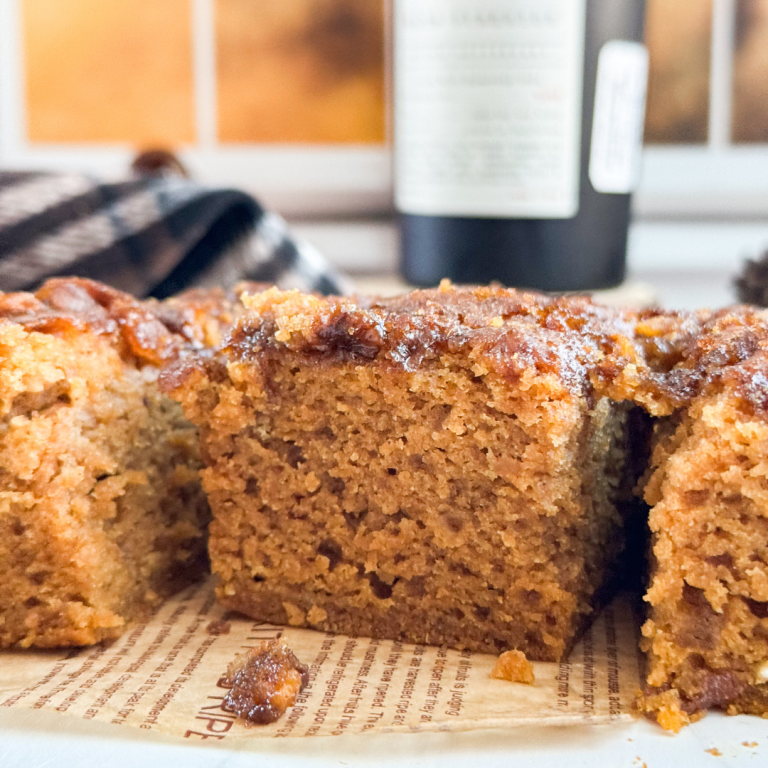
(203, 315)
(511, 333)
(659, 359)
(146, 332)
(728, 352)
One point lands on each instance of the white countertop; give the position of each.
(35, 739)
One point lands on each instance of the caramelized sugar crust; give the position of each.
(101, 510)
(264, 682)
(444, 467)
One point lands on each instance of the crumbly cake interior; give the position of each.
(101, 511)
(707, 632)
(398, 471)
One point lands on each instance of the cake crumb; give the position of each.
(750, 744)
(264, 682)
(714, 751)
(515, 667)
(296, 617)
(672, 718)
(665, 708)
(219, 627)
(316, 615)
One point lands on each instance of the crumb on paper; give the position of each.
(665, 708)
(515, 667)
(714, 751)
(219, 627)
(750, 744)
(264, 682)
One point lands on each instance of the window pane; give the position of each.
(300, 70)
(108, 71)
(678, 35)
(750, 72)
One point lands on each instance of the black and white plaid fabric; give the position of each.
(149, 235)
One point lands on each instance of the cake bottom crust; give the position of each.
(408, 623)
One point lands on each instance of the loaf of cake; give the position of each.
(706, 636)
(440, 468)
(101, 510)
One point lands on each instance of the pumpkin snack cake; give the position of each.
(439, 468)
(101, 510)
(706, 636)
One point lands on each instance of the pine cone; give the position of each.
(752, 284)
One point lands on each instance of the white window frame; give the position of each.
(716, 180)
(295, 179)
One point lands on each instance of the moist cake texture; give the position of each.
(101, 510)
(442, 468)
(706, 636)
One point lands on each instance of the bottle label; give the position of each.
(487, 108)
(617, 125)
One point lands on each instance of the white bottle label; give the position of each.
(488, 107)
(617, 126)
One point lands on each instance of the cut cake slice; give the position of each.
(706, 636)
(101, 510)
(438, 468)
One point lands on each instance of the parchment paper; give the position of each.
(165, 676)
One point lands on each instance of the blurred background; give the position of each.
(288, 99)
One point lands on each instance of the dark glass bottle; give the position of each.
(499, 174)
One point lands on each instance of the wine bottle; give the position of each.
(518, 129)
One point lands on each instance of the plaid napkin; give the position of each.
(150, 235)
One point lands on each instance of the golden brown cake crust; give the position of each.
(727, 349)
(624, 354)
(70, 305)
(512, 331)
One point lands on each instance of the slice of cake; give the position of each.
(101, 510)
(438, 468)
(707, 631)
